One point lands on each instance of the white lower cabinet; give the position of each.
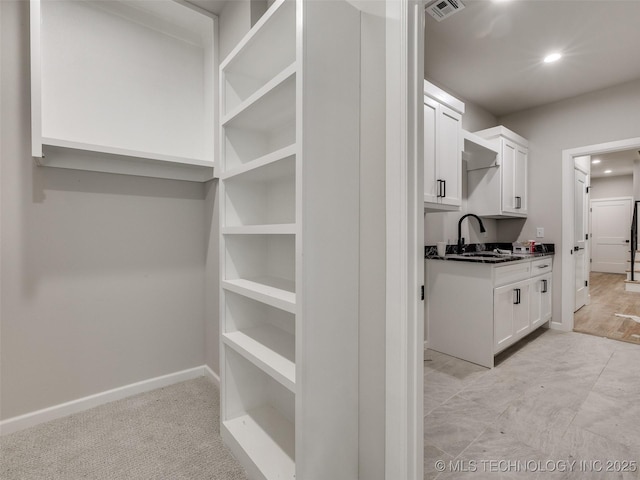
(502, 304)
(510, 314)
(540, 303)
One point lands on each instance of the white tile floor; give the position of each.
(553, 399)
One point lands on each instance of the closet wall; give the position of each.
(102, 275)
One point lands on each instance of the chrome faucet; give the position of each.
(482, 229)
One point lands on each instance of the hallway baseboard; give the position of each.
(37, 417)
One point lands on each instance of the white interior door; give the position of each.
(611, 223)
(580, 239)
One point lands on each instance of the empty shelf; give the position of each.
(276, 292)
(266, 439)
(268, 348)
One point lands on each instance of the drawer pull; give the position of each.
(543, 266)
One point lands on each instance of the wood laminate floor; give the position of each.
(609, 297)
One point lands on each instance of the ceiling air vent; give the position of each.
(441, 9)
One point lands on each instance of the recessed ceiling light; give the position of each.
(607, 171)
(552, 57)
(595, 161)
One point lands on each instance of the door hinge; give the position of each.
(588, 188)
(586, 236)
(422, 292)
(586, 283)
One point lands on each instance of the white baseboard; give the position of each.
(31, 419)
(212, 376)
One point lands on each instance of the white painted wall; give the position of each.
(611, 187)
(603, 116)
(102, 275)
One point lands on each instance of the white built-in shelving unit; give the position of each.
(124, 86)
(289, 149)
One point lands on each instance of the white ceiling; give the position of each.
(491, 52)
(620, 163)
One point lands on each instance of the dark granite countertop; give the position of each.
(482, 253)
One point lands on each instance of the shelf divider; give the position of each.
(271, 291)
(260, 162)
(270, 349)
(261, 93)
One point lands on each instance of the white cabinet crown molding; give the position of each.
(443, 97)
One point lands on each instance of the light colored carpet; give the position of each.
(167, 434)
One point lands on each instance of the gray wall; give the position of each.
(236, 18)
(212, 278)
(598, 117)
(372, 248)
(611, 187)
(102, 275)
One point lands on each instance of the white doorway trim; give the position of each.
(566, 257)
(404, 452)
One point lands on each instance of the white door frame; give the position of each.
(404, 453)
(567, 276)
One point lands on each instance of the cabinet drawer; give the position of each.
(511, 273)
(541, 266)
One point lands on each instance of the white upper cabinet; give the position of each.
(442, 149)
(500, 189)
(123, 87)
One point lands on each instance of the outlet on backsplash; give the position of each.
(540, 232)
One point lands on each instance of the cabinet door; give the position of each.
(545, 301)
(430, 184)
(510, 314)
(449, 155)
(540, 305)
(504, 299)
(508, 166)
(520, 180)
(521, 319)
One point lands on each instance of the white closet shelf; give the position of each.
(84, 156)
(256, 48)
(275, 229)
(270, 349)
(263, 168)
(263, 92)
(270, 110)
(266, 439)
(276, 292)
